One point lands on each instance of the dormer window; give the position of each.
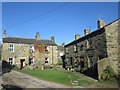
(47, 49)
(31, 48)
(11, 48)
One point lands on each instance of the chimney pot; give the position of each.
(4, 34)
(101, 23)
(87, 31)
(37, 35)
(53, 38)
(77, 36)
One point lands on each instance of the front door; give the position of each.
(22, 61)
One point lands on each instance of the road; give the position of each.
(20, 80)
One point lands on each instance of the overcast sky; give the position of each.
(60, 19)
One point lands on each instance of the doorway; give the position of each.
(22, 63)
(82, 63)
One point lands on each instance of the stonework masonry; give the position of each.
(98, 48)
(25, 51)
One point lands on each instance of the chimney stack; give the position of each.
(101, 23)
(4, 34)
(77, 36)
(37, 35)
(53, 38)
(87, 31)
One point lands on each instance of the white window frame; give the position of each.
(89, 42)
(47, 60)
(75, 48)
(11, 48)
(32, 60)
(61, 53)
(31, 48)
(11, 60)
(47, 49)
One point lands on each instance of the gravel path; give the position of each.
(17, 79)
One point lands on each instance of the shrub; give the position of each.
(108, 73)
(69, 66)
(76, 69)
(109, 70)
(60, 63)
(83, 69)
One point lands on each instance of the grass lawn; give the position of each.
(56, 76)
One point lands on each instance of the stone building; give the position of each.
(60, 50)
(0, 51)
(97, 49)
(27, 51)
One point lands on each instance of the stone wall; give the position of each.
(104, 48)
(113, 44)
(103, 63)
(0, 51)
(22, 51)
(97, 48)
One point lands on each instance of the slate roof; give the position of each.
(28, 41)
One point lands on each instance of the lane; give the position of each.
(21, 80)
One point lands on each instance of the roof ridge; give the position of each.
(19, 38)
(93, 31)
(29, 38)
(27, 41)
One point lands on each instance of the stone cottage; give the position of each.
(60, 50)
(28, 51)
(97, 49)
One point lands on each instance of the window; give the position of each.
(47, 49)
(46, 60)
(31, 60)
(89, 42)
(11, 61)
(66, 50)
(61, 53)
(11, 48)
(75, 48)
(81, 48)
(91, 61)
(31, 48)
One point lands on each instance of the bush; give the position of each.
(60, 63)
(76, 69)
(82, 70)
(108, 73)
(69, 66)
